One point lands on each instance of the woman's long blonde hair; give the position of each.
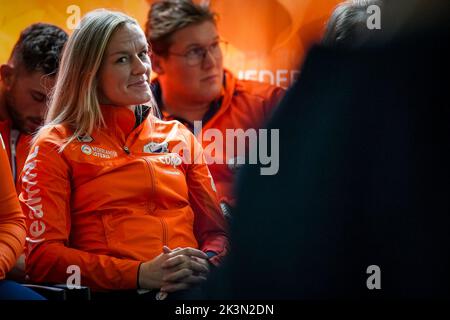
(74, 101)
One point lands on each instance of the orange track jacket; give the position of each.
(245, 104)
(12, 220)
(111, 200)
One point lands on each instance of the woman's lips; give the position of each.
(210, 78)
(142, 83)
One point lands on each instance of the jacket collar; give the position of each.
(118, 119)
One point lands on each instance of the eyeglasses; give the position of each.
(196, 55)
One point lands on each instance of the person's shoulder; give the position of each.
(53, 134)
(258, 89)
(170, 126)
(253, 85)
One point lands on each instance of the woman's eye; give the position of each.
(122, 60)
(143, 54)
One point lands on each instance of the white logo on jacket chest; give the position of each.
(98, 152)
(172, 159)
(86, 149)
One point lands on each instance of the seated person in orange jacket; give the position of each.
(192, 84)
(12, 232)
(25, 82)
(108, 187)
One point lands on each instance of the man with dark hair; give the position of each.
(25, 82)
(192, 85)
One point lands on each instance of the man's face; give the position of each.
(200, 83)
(26, 99)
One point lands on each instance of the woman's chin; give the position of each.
(141, 99)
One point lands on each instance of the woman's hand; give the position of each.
(184, 259)
(174, 270)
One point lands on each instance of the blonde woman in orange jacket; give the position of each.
(112, 193)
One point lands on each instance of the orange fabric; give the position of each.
(245, 104)
(12, 220)
(107, 210)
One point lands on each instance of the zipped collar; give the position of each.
(122, 121)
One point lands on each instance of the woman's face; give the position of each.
(125, 71)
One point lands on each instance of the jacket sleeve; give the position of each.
(45, 199)
(210, 226)
(12, 220)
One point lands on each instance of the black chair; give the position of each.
(61, 292)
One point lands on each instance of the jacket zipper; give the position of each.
(13, 143)
(152, 190)
(161, 220)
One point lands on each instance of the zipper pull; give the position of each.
(13, 143)
(127, 151)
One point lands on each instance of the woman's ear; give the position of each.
(7, 74)
(157, 64)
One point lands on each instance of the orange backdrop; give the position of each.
(267, 39)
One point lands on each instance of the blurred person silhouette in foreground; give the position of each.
(361, 200)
